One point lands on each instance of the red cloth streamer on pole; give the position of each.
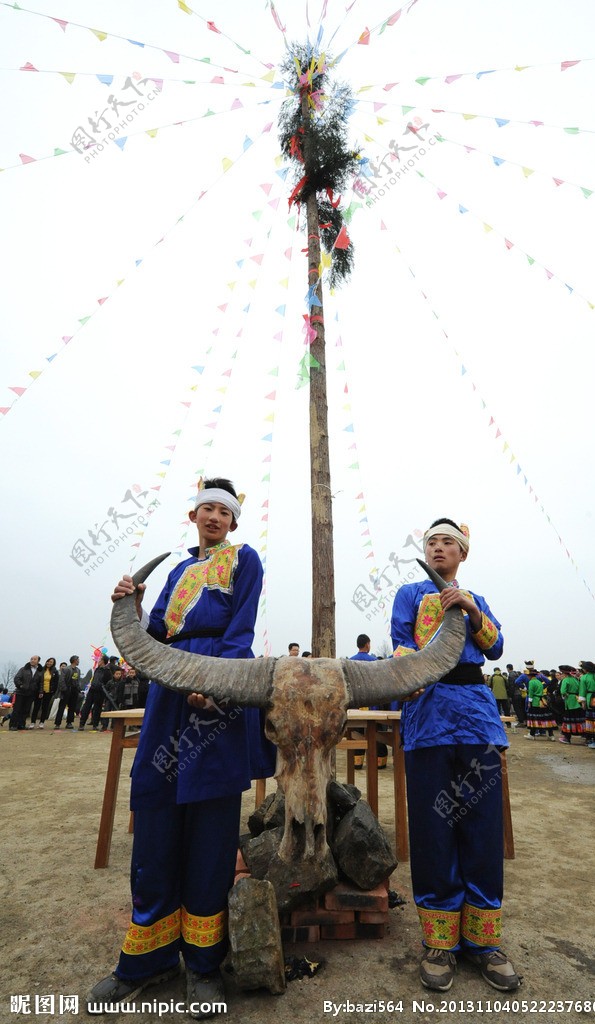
(329, 193)
(298, 188)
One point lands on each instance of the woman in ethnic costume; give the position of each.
(587, 692)
(452, 736)
(539, 714)
(573, 722)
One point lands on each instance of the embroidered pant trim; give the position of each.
(183, 865)
(454, 795)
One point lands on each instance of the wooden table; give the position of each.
(120, 742)
(357, 720)
(370, 720)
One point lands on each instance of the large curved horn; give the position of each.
(246, 681)
(379, 682)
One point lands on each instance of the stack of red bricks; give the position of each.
(345, 912)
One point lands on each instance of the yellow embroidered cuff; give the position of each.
(482, 927)
(140, 939)
(204, 931)
(487, 634)
(440, 927)
(400, 651)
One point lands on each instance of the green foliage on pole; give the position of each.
(313, 135)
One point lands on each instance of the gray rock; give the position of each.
(255, 936)
(361, 848)
(256, 819)
(342, 796)
(259, 851)
(295, 883)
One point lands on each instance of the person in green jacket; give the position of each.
(587, 692)
(573, 722)
(539, 714)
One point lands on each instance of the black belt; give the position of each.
(189, 635)
(464, 674)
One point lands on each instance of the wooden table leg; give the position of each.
(261, 788)
(372, 767)
(106, 824)
(401, 828)
(506, 814)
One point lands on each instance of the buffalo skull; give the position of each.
(306, 702)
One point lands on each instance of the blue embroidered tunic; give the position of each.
(446, 713)
(185, 755)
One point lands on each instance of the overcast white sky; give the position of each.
(460, 354)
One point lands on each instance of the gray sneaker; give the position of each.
(112, 991)
(437, 969)
(497, 969)
(205, 995)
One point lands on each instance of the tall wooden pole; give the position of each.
(323, 567)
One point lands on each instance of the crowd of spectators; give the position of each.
(548, 700)
(42, 695)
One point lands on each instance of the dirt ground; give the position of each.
(62, 922)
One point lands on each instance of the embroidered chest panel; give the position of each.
(429, 618)
(214, 573)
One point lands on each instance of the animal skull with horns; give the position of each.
(306, 702)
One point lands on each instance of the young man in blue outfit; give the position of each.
(194, 760)
(452, 735)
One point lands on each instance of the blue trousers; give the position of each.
(183, 865)
(454, 795)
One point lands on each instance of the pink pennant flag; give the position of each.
(558, 181)
(4, 409)
(288, 253)
(218, 80)
(18, 391)
(389, 86)
(272, 396)
(441, 195)
(568, 64)
(549, 274)
(66, 339)
(27, 159)
(175, 57)
(364, 39)
(266, 189)
(536, 124)
(61, 23)
(452, 78)
(212, 27)
(28, 67)
(273, 203)
(258, 259)
(101, 301)
(393, 18)
(236, 104)
(378, 106)
(509, 245)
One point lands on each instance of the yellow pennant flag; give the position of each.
(487, 227)
(469, 117)
(269, 77)
(68, 75)
(226, 163)
(100, 35)
(152, 132)
(184, 7)
(35, 374)
(527, 171)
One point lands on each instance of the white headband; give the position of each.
(223, 497)
(448, 531)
